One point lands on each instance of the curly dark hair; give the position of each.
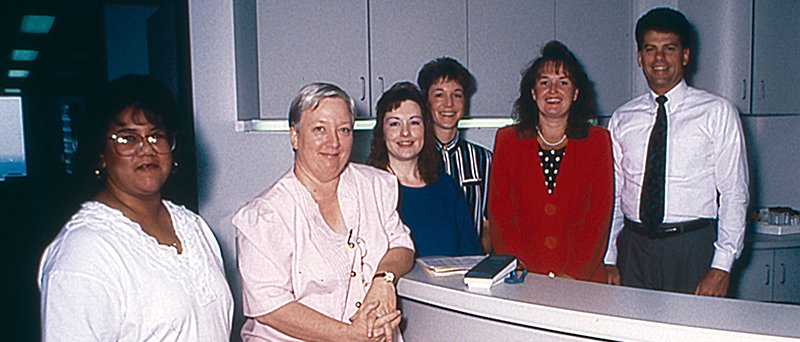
(428, 163)
(526, 114)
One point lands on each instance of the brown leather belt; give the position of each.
(668, 229)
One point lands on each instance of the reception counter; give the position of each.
(541, 308)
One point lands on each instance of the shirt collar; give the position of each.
(450, 145)
(674, 96)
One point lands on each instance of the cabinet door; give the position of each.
(404, 35)
(722, 59)
(752, 276)
(600, 34)
(306, 41)
(775, 62)
(504, 36)
(787, 276)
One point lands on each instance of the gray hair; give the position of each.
(309, 97)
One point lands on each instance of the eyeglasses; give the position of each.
(126, 144)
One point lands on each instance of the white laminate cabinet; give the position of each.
(306, 41)
(364, 46)
(404, 35)
(504, 36)
(600, 35)
(786, 279)
(722, 58)
(775, 57)
(769, 271)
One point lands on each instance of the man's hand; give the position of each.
(714, 284)
(612, 275)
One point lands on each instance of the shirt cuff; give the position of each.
(610, 258)
(723, 261)
(260, 303)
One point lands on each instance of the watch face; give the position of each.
(389, 276)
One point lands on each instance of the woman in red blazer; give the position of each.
(551, 186)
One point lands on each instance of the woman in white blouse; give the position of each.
(320, 250)
(130, 265)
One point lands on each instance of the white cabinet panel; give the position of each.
(787, 275)
(722, 60)
(600, 33)
(752, 276)
(775, 61)
(404, 35)
(305, 41)
(769, 270)
(504, 36)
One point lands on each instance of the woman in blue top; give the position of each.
(431, 203)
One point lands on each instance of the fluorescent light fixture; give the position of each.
(18, 73)
(40, 24)
(12, 91)
(22, 55)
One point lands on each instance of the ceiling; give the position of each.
(71, 57)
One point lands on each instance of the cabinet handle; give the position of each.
(363, 88)
(744, 89)
(382, 84)
(763, 90)
(783, 275)
(767, 282)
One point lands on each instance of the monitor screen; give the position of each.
(12, 138)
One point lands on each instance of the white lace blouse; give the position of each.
(104, 279)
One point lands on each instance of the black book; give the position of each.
(490, 270)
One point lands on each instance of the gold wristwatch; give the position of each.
(387, 276)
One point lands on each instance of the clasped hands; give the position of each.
(378, 316)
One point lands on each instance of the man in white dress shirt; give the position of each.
(680, 173)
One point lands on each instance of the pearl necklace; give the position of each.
(549, 143)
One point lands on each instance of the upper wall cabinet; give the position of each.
(775, 61)
(362, 46)
(304, 41)
(722, 57)
(600, 35)
(504, 36)
(404, 35)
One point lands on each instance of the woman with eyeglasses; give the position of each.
(131, 265)
(321, 249)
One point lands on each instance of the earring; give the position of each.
(98, 173)
(174, 167)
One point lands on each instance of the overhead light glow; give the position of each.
(40, 24)
(13, 91)
(23, 55)
(18, 73)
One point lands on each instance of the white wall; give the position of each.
(232, 166)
